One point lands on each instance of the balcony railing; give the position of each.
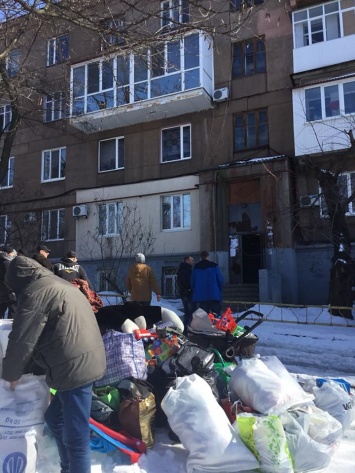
(166, 80)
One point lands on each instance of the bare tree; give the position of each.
(114, 253)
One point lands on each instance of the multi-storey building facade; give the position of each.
(192, 138)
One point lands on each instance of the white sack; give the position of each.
(332, 398)
(265, 437)
(261, 389)
(306, 453)
(21, 419)
(204, 429)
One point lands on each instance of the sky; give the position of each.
(306, 350)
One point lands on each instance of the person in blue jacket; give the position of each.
(207, 284)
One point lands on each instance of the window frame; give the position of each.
(350, 186)
(181, 138)
(59, 230)
(110, 40)
(13, 63)
(240, 4)
(61, 169)
(256, 54)
(6, 113)
(183, 213)
(118, 140)
(54, 52)
(245, 128)
(322, 104)
(118, 217)
(9, 176)
(5, 228)
(170, 9)
(53, 99)
(306, 18)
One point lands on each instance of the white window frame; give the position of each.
(6, 114)
(54, 105)
(54, 221)
(8, 180)
(169, 200)
(307, 15)
(61, 169)
(112, 212)
(54, 56)
(13, 63)
(341, 97)
(182, 157)
(5, 227)
(350, 188)
(118, 140)
(172, 13)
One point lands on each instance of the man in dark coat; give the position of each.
(56, 327)
(207, 284)
(69, 269)
(41, 256)
(7, 298)
(185, 290)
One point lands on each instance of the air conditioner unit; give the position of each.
(309, 200)
(30, 217)
(220, 95)
(80, 211)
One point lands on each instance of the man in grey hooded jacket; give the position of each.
(55, 326)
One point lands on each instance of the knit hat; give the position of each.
(140, 258)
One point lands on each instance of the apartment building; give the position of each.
(187, 144)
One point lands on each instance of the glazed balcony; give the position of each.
(168, 80)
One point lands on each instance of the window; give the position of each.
(53, 164)
(54, 107)
(58, 50)
(167, 68)
(111, 28)
(251, 130)
(249, 58)
(111, 154)
(174, 12)
(8, 180)
(105, 278)
(5, 117)
(239, 4)
(346, 185)
(330, 101)
(110, 218)
(325, 22)
(176, 143)
(53, 224)
(5, 227)
(13, 63)
(176, 212)
(170, 288)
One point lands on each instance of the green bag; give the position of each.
(221, 364)
(109, 396)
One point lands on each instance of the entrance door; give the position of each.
(245, 258)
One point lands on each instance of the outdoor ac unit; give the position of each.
(220, 95)
(80, 211)
(309, 200)
(30, 217)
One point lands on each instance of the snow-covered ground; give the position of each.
(317, 350)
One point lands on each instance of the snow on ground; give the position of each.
(317, 350)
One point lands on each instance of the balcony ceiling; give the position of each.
(160, 108)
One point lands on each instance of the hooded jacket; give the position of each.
(69, 270)
(5, 260)
(206, 281)
(55, 326)
(141, 282)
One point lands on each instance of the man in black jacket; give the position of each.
(41, 256)
(185, 290)
(7, 298)
(69, 269)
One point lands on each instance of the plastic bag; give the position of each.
(332, 398)
(265, 437)
(21, 420)
(204, 429)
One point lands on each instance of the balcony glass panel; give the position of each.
(191, 51)
(192, 79)
(165, 85)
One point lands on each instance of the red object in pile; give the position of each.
(226, 322)
(139, 334)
